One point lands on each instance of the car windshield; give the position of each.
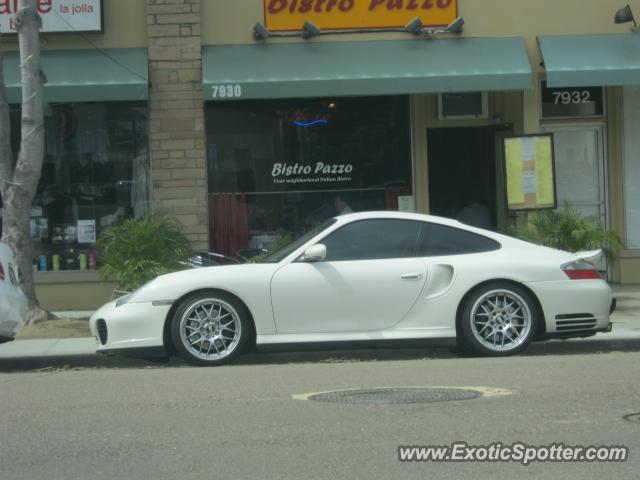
(282, 251)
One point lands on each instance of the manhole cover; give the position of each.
(393, 396)
(632, 417)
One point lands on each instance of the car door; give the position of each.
(368, 281)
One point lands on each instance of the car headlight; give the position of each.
(129, 296)
(122, 300)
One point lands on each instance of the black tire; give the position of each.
(208, 339)
(511, 323)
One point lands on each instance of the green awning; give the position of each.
(85, 75)
(312, 69)
(591, 60)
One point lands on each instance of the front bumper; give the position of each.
(130, 327)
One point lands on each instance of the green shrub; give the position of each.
(280, 242)
(136, 251)
(569, 230)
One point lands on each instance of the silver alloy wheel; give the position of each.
(500, 320)
(210, 329)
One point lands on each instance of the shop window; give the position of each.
(95, 173)
(279, 167)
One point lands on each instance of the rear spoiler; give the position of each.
(591, 256)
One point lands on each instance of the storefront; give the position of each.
(278, 167)
(315, 130)
(249, 134)
(590, 95)
(96, 168)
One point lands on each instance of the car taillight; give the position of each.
(580, 271)
(1, 271)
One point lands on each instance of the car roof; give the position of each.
(389, 214)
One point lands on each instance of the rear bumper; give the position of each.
(575, 308)
(614, 303)
(582, 333)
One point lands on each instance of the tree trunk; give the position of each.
(19, 184)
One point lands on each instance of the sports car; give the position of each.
(362, 278)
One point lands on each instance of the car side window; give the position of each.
(373, 240)
(438, 240)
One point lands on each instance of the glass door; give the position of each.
(580, 172)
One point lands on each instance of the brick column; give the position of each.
(176, 115)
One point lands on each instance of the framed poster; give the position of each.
(530, 172)
(406, 203)
(86, 231)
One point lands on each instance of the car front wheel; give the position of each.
(499, 319)
(210, 328)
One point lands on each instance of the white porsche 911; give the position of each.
(366, 277)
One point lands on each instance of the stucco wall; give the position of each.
(231, 22)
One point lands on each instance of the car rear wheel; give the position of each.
(499, 319)
(210, 328)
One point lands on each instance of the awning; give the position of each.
(85, 75)
(591, 60)
(273, 70)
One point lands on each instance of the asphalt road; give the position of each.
(242, 421)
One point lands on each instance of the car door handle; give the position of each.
(411, 276)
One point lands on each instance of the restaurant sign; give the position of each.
(290, 15)
(57, 15)
(287, 174)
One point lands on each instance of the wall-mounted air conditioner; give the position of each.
(460, 106)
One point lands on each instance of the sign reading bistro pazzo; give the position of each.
(286, 174)
(289, 15)
(57, 15)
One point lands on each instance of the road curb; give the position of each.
(60, 362)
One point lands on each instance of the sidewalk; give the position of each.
(626, 330)
(52, 347)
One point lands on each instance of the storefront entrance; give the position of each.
(465, 175)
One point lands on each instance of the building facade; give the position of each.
(249, 135)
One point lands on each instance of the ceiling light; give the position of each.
(624, 15)
(309, 30)
(414, 26)
(260, 32)
(456, 25)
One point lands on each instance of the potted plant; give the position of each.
(569, 230)
(135, 251)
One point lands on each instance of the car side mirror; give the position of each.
(316, 253)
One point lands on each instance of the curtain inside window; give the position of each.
(229, 231)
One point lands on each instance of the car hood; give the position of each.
(226, 277)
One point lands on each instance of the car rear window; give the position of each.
(439, 240)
